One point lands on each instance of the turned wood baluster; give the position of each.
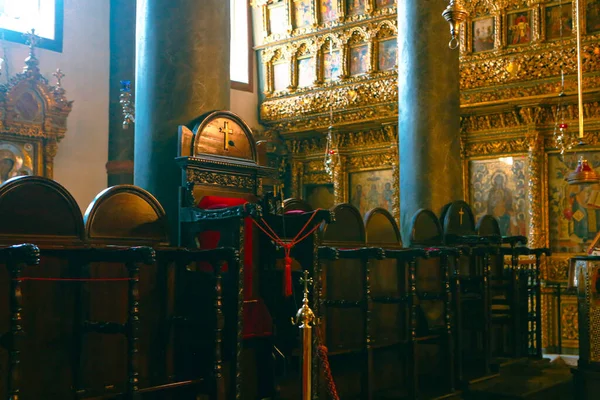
(413, 383)
(133, 326)
(16, 331)
(538, 307)
(448, 318)
(368, 308)
(219, 325)
(240, 312)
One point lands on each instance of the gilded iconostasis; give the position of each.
(333, 63)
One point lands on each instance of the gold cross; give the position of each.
(306, 281)
(58, 75)
(461, 213)
(31, 38)
(226, 131)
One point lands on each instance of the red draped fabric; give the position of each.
(257, 320)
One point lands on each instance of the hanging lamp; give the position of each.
(583, 174)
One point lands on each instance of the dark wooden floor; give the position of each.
(527, 379)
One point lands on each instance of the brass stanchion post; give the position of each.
(305, 318)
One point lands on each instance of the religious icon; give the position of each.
(559, 21)
(519, 28)
(319, 196)
(306, 72)
(592, 16)
(331, 65)
(15, 160)
(574, 210)
(385, 3)
(328, 10)
(356, 7)
(498, 187)
(371, 189)
(303, 12)
(277, 19)
(483, 34)
(281, 76)
(388, 53)
(359, 63)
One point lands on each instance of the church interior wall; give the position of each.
(511, 58)
(80, 161)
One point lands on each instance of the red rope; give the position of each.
(287, 247)
(322, 354)
(31, 278)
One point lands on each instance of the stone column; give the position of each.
(182, 71)
(122, 67)
(428, 115)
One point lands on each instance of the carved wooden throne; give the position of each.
(221, 186)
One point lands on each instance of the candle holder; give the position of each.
(126, 105)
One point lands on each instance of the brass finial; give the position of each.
(31, 62)
(305, 316)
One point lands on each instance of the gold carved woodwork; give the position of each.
(33, 118)
(220, 179)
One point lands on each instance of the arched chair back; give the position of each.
(293, 204)
(488, 226)
(425, 229)
(39, 210)
(388, 322)
(458, 219)
(348, 229)
(432, 306)
(381, 228)
(342, 291)
(126, 214)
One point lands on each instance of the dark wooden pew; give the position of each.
(15, 258)
(98, 313)
(438, 363)
(182, 339)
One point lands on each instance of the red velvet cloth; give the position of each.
(257, 320)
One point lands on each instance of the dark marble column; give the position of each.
(182, 71)
(122, 67)
(428, 115)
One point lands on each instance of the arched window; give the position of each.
(241, 45)
(45, 16)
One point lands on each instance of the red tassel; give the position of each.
(287, 284)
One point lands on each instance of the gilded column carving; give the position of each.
(537, 17)
(396, 182)
(345, 61)
(289, 11)
(498, 28)
(372, 54)
(369, 6)
(50, 150)
(297, 173)
(315, 13)
(293, 71)
(269, 77)
(535, 157)
(319, 72)
(341, 10)
(264, 11)
(339, 181)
